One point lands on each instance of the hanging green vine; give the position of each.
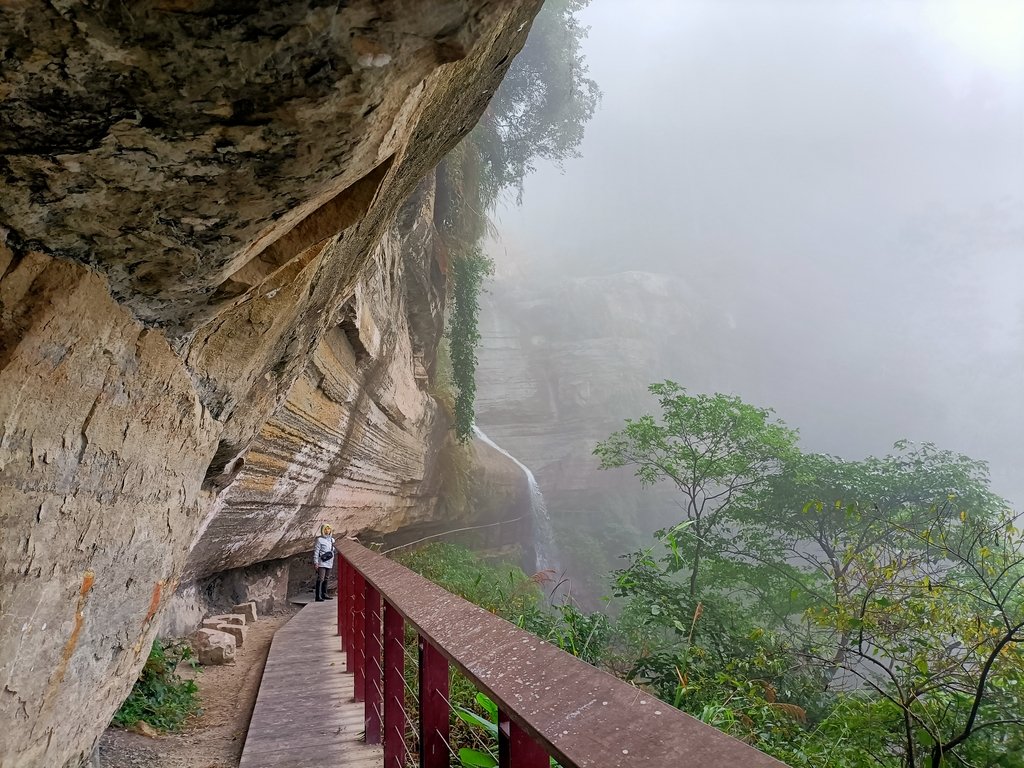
(468, 271)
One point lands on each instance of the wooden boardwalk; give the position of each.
(305, 716)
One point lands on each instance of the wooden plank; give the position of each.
(305, 714)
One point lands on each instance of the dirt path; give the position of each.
(214, 739)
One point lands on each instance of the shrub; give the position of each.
(160, 696)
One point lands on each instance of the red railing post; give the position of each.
(373, 673)
(350, 620)
(434, 749)
(516, 749)
(359, 638)
(342, 570)
(395, 750)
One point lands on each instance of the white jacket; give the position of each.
(323, 544)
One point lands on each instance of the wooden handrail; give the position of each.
(576, 713)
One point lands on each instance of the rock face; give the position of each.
(562, 364)
(195, 288)
(354, 440)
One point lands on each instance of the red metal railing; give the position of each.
(550, 703)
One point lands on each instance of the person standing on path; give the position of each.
(323, 561)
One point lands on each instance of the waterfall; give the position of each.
(543, 535)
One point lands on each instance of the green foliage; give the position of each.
(714, 448)
(853, 613)
(903, 648)
(917, 661)
(500, 588)
(544, 102)
(160, 697)
(506, 591)
(707, 658)
(823, 512)
(932, 621)
(468, 273)
(486, 756)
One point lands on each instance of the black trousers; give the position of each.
(322, 575)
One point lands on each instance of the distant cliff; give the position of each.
(562, 364)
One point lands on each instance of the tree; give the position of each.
(848, 613)
(716, 449)
(709, 657)
(800, 534)
(935, 628)
(543, 103)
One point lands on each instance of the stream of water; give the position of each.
(543, 535)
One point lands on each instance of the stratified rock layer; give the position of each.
(193, 289)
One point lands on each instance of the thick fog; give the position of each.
(843, 182)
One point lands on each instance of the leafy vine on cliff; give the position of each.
(468, 273)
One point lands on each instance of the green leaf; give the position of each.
(489, 706)
(474, 719)
(474, 758)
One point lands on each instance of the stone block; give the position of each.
(214, 647)
(237, 631)
(246, 609)
(230, 618)
(216, 622)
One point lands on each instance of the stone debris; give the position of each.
(214, 647)
(246, 609)
(230, 625)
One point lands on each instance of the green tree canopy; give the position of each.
(715, 449)
(544, 102)
(849, 613)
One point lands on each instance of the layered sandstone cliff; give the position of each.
(195, 287)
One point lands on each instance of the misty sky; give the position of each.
(842, 181)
